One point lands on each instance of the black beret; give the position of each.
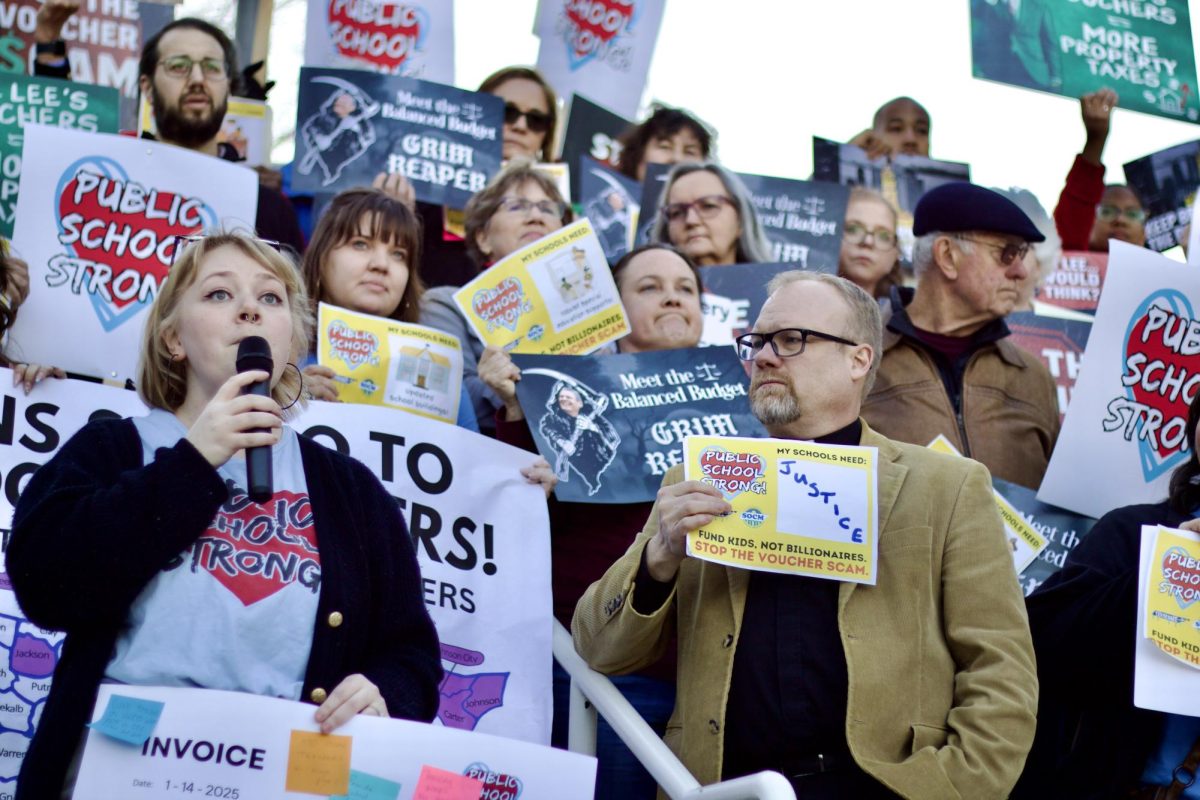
(956, 207)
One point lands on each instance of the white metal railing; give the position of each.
(592, 692)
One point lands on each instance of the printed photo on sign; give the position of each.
(1165, 183)
(414, 39)
(592, 132)
(99, 219)
(1124, 432)
(1060, 344)
(612, 425)
(482, 537)
(610, 201)
(902, 179)
(45, 101)
(1141, 50)
(601, 49)
(241, 746)
(384, 362)
(1167, 652)
(555, 295)
(799, 508)
(352, 124)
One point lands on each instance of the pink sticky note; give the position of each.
(439, 784)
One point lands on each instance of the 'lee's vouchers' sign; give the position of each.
(555, 296)
(798, 507)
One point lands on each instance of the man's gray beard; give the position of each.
(775, 408)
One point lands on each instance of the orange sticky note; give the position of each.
(438, 784)
(318, 763)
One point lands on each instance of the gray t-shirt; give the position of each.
(236, 610)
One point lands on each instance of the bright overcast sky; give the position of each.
(770, 74)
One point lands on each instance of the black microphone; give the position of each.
(255, 354)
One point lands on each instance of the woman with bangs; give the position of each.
(114, 538)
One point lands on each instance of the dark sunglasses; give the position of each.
(538, 121)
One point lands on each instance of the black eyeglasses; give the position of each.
(537, 121)
(1008, 252)
(786, 343)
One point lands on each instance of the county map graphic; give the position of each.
(28, 655)
(464, 697)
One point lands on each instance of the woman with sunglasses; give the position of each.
(519, 206)
(870, 254)
(129, 538)
(530, 112)
(706, 211)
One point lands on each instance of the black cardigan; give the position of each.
(95, 525)
(1091, 741)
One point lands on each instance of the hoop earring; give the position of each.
(300, 392)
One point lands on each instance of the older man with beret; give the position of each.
(948, 366)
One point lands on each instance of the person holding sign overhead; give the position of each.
(707, 212)
(519, 206)
(134, 539)
(1092, 742)
(921, 686)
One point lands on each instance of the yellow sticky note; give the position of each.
(318, 763)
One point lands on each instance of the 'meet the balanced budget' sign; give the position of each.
(600, 48)
(612, 425)
(32, 428)
(1125, 429)
(352, 125)
(149, 743)
(732, 299)
(482, 537)
(1061, 529)
(44, 101)
(411, 39)
(99, 219)
(1142, 49)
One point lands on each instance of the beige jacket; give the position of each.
(942, 686)
(1009, 420)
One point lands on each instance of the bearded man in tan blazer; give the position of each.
(921, 686)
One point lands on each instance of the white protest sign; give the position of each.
(1123, 434)
(600, 49)
(482, 536)
(32, 427)
(1160, 682)
(243, 747)
(97, 220)
(414, 39)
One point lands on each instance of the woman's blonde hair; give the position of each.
(162, 381)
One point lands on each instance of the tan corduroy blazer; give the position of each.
(942, 685)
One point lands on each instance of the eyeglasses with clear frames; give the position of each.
(520, 205)
(785, 343)
(1009, 252)
(213, 69)
(1109, 213)
(854, 233)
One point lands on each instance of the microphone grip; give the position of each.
(259, 477)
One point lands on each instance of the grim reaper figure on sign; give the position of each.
(339, 132)
(584, 441)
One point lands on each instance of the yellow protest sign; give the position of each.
(1172, 587)
(384, 362)
(1025, 541)
(798, 507)
(555, 296)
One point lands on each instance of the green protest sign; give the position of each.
(1140, 48)
(44, 101)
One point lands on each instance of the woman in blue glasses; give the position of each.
(707, 212)
(519, 206)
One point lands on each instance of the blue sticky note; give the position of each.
(129, 719)
(369, 787)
